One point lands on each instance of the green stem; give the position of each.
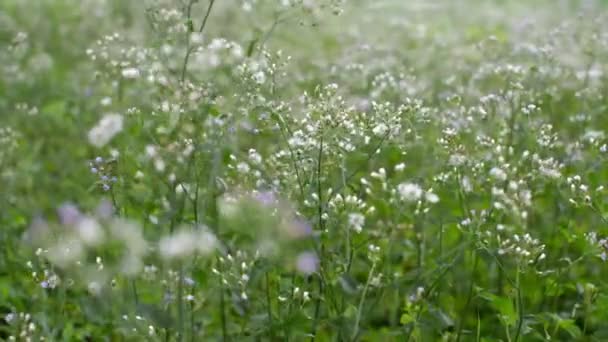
(361, 301)
(269, 306)
(469, 297)
(520, 310)
(180, 303)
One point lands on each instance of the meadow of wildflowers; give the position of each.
(303, 170)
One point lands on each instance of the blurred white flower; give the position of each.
(130, 234)
(498, 174)
(431, 197)
(130, 73)
(90, 231)
(356, 221)
(94, 288)
(380, 129)
(259, 77)
(66, 252)
(409, 192)
(106, 129)
(186, 242)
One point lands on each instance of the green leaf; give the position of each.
(350, 312)
(406, 318)
(570, 327)
(504, 306)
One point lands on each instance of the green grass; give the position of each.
(402, 171)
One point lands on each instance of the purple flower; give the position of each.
(68, 214)
(105, 209)
(307, 263)
(266, 198)
(299, 229)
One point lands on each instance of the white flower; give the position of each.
(431, 197)
(242, 167)
(9, 317)
(130, 73)
(187, 242)
(457, 159)
(356, 221)
(400, 167)
(90, 232)
(498, 173)
(180, 244)
(259, 77)
(550, 172)
(94, 288)
(206, 242)
(66, 252)
(255, 157)
(130, 234)
(409, 192)
(105, 130)
(380, 129)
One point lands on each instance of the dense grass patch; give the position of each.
(323, 170)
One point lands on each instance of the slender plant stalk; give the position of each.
(190, 49)
(269, 305)
(520, 309)
(469, 297)
(361, 301)
(180, 303)
(322, 228)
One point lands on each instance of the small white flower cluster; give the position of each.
(24, 327)
(356, 221)
(355, 209)
(581, 192)
(524, 248)
(515, 198)
(220, 52)
(8, 144)
(412, 193)
(235, 270)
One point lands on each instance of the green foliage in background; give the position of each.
(287, 170)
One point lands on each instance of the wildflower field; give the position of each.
(303, 170)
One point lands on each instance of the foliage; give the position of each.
(303, 169)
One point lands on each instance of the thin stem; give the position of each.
(322, 228)
(189, 49)
(204, 23)
(180, 303)
(520, 310)
(361, 301)
(269, 306)
(313, 335)
(222, 306)
(469, 297)
(192, 337)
